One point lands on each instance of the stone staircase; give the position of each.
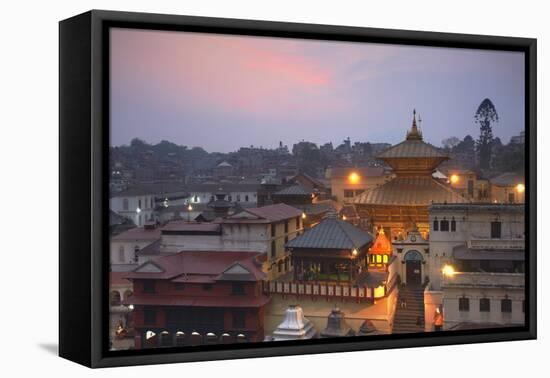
(409, 318)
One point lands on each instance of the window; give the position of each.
(359, 191)
(385, 259)
(484, 305)
(453, 225)
(136, 250)
(115, 298)
(496, 228)
(148, 286)
(149, 316)
(179, 286)
(348, 193)
(139, 203)
(125, 205)
(207, 287)
(237, 288)
(280, 266)
(286, 227)
(121, 254)
(230, 198)
(463, 304)
(506, 305)
(471, 188)
(273, 249)
(238, 319)
(511, 197)
(246, 198)
(238, 198)
(297, 223)
(273, 230)
(436, 225)
(444, 225)
(378, 258)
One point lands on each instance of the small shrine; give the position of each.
(337, 325)
(380, 251)
(333, 250)
(295, 326)
(368, 329)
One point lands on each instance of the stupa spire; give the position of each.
(414, 133)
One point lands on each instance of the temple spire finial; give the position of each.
(414, 133)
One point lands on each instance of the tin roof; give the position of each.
(332, 233)
(294, 190)
(410, 191)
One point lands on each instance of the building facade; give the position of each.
(195, 298)
(477, 264)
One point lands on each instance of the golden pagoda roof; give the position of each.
(413, 146)
(381, 245)
(410, 191)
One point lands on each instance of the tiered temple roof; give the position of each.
(413, 162)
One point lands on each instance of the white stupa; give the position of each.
(295, 326)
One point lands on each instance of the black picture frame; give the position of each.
(84, 122)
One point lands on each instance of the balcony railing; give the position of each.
(341, 290)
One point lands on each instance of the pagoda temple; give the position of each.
(380, 251)
(403, 201)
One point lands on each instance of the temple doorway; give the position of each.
(413, 262)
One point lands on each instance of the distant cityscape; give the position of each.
(310, 241)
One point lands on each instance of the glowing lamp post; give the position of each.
(520, 188)
(448, 270)
(354, 178)
(453, 179)
(189, 209)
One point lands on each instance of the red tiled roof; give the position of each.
(118, 278)
(181, 300)
(138, 233)
(208, 264)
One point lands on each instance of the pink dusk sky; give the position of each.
(222, 92)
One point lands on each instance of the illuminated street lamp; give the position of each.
(353, 178)
(138, 210)
(303, 215)
(354, 252)
(448, 270)
(520, 188)
(454, 179)
(344, 217)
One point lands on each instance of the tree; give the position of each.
(485, 115)
(450, 143)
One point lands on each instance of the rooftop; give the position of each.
(508, 179)
(202, 266)
(294, 190)
(410, 191)
(138, 234)
(332, 233)
(265, 214)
